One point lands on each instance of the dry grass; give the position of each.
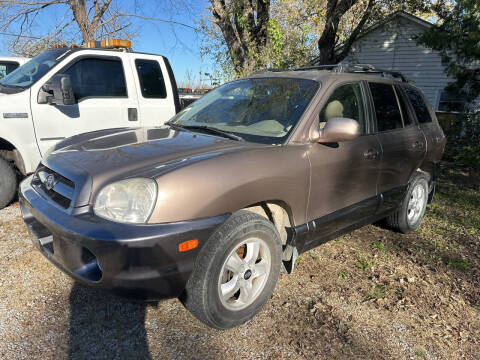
(371, 294)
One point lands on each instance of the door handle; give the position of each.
(371, 154)
(132, 114)
(418, 145)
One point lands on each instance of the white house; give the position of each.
(392, 46)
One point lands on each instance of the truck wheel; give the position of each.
(8, 183)
(410, 213)
(235, 273)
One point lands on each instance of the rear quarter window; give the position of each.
(407, 119)
(419, 106)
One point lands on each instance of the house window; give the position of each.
(450, 102)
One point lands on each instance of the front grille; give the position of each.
(60, 190)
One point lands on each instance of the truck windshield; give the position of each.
(26, 75)
(263, 110)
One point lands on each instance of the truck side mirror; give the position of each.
(57, 91)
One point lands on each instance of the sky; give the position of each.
(181, 45)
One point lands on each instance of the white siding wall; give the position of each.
(393, 47)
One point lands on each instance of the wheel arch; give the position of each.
(278, 212)
(423, 172)
(10, 152)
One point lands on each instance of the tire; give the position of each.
(8, 183)
(410, 213)
(213, 274)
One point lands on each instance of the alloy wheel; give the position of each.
(416, 204)
(244, 274)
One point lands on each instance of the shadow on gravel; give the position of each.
(105, 326)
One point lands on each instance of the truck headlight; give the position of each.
(127, 201)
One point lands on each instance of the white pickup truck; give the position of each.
(67, 91)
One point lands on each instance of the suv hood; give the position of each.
(92, 160)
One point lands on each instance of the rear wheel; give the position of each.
(410, 213)
(235, 273)
(8, 183)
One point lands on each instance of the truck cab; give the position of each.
(66, 91)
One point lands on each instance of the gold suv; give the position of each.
(213, 205)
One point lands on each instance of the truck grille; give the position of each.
(54, 186)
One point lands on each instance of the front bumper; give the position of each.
(139, 261)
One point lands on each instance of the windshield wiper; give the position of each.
(173, 125)
(207, 129)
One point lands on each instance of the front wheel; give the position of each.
(235, 273)
(8, 183)
(410, 213)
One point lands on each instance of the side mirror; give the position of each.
(57, 91)
(337, 130)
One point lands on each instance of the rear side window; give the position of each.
(419, 106)
(151, 79)
(97, 78)
(346, 101)
(386, 107)
(407, 120)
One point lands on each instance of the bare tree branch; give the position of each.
(93, 19)
(159, 20)
(353, 36)
(99, 11)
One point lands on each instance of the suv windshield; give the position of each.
(30, 72)
(261, 110)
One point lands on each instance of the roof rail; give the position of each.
(261, 71)
(355, 68)
(367, 68)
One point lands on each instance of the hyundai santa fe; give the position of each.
(211, 207)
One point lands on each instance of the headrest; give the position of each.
(334, 109)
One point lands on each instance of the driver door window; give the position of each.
(347, 102)
(97, 78)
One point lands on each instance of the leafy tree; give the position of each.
(287, 37)
(346, 19)
(244, 28)
(457, 38)
(293, 32)
(296, 30)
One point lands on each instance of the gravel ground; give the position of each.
(370, 294)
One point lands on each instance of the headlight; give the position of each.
(127, 201)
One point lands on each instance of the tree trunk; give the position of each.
(328, 40)
(221, 18)
(88, 28)
(244, 27)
